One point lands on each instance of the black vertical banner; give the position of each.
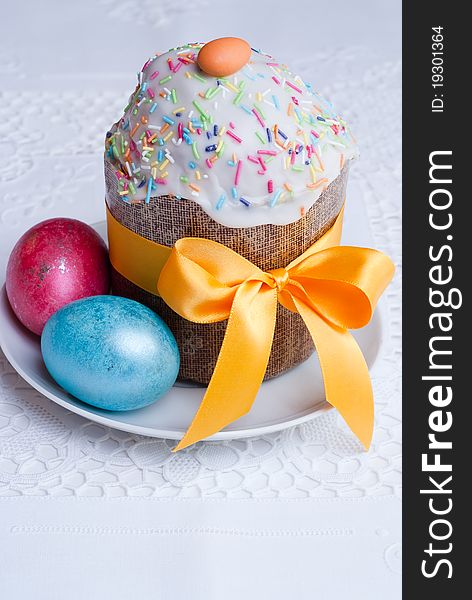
(437, 225)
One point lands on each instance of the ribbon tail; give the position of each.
(241, 364)
(345, 373)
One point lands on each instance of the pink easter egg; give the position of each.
(54, 263)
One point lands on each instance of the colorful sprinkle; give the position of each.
(259, 118)
(221, 201)
(234, 136)
(295, 128)
(200, 110)
(238, 172)
(149, 189)
(195, 150)
(260, 137)
(275, 198)
(294, 87)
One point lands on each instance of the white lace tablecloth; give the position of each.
(301, 513)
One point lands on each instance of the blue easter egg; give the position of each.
(110, 352)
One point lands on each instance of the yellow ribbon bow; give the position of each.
(333, 288)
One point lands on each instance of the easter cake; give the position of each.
(221, 141)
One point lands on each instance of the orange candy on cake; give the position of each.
(224, 56)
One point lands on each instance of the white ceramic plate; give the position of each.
(289, 399)
(282, 402)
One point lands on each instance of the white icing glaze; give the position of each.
(308, 144)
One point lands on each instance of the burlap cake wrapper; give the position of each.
(166, 219)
